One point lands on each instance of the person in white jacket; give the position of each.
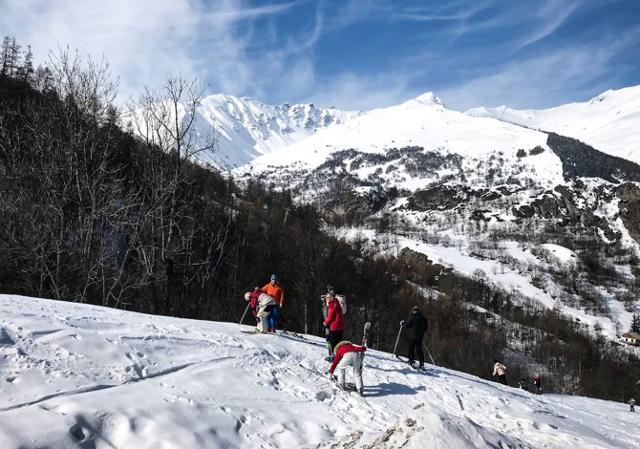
(500, 371)
(266, 305)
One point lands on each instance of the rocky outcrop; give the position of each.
(358, 203)
(628, 195)
(562, 204)
(443, 197)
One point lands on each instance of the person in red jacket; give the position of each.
(347, 354)
(274, 290)
(253, 301)
(334, 321)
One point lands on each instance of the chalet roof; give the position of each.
(633, 335)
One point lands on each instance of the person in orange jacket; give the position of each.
(274, 290)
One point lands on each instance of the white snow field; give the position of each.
(78, 376)
(609, 121)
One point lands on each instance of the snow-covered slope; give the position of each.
(81, 376)
(426, 124)
(610, 122)
(246, 128)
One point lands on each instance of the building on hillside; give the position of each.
(631, 338)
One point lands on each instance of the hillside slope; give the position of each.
(101, 378)
(608, 122)
(246, 128)
(436, 175)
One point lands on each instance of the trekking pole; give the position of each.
(395, 346)
(427, 349)
(244, 314)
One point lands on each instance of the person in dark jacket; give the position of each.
(537, 383)
(415, 328)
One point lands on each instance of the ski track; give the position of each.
(82, 376)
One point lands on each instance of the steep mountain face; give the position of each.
(246, 129)
(488, 198)
(608, 122)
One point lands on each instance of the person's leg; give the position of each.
(335, 337)
(276, 316)
(420, 354)
(331, 338)
(357, 372)
(346, 362)
(411, 351)
(262, 316)
(269, 318)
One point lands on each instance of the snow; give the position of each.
(466, 264)
(73, 375)
(609, 122)
(562, 254)
(459, 257)
(244, 128)
(423, 122)
(247, 128)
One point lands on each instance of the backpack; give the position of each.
(342, 300)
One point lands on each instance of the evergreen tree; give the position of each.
(4, 55)
(13, 61)
(635, 323)
(26, 70)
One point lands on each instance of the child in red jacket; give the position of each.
(347, 354)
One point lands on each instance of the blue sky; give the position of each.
(355, 54)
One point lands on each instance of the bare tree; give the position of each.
(166, 119)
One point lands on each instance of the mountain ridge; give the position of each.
(246, 128)
(609, 121)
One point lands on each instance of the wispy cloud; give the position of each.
(145, 41)
(548, 19)
(532, 82)
(355, 54)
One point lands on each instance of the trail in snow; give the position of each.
(68, 378)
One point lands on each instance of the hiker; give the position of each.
(324, 299)
(501, 371)
(253, 301)
(347, 354)
(632, 405)
(274, 290)
(266, 306)
(537, 383)
(415, 326)
(334, 322)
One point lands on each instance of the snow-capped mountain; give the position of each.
(447, 182)
(246, 128)
(74, 375)
(450, 142)
(609, 122)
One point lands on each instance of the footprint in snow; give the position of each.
(322, 396)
